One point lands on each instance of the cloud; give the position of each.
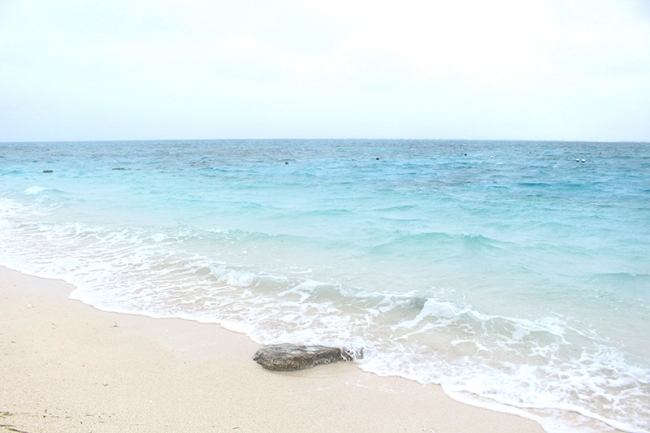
(416, 69)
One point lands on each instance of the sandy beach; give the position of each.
(67, 367)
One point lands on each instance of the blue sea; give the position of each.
(514, 274)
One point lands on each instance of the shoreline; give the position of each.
(67, 366)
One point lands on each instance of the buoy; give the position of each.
(577, 160)
(583, 161)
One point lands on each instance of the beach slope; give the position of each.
(67, 367)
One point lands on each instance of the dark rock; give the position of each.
(289, 357)
(418, 303)
(48, 171)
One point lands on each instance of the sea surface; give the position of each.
(514, 274)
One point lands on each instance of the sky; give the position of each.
(199, 69)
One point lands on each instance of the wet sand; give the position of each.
(67, 367)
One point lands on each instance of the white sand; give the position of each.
(67, 367)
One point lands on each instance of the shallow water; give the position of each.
(512, 273)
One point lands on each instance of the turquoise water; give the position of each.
(512, 273)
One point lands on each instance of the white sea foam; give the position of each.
(233, 277)
(131, 270)
(32, 190)
(532, 313)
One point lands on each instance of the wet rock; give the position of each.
(418, 303)
(289, 357)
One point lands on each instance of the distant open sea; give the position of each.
(514, 274)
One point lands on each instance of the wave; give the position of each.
(438, 240)
(406, 207)
(544, 364)
(34, 190)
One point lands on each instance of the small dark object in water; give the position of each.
(286, 163)
(289, 357)
(418, 303)
(118, 168)
(48, 171)
(376, 159)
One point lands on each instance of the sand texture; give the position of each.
(67, 367)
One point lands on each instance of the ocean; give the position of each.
(514, 274)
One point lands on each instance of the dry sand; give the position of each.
(67, 367)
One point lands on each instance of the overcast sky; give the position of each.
(157, 69)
